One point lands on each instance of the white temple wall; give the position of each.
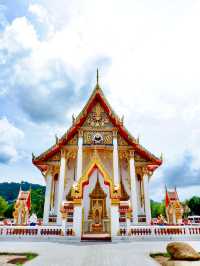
(106, 157)
(70, 176)
(124, 173)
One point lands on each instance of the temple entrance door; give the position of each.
(96, 220)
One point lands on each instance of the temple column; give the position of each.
(47, 198)
(133, 188)
(115, 159)
(60, 190)
(114, 214)
(114, 209)
(77, 220)
(79, 155)
(56, 195)
(146, 198)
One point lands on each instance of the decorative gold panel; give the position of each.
(121, 141)
(55, 158)
(96, 137)
(97, 118)
(138, 158)
(73, 141)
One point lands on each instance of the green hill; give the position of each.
(9, 191)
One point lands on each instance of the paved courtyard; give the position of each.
(89, 254)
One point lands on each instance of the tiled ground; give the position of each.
(89, 254)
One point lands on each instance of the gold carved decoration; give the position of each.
(121, 141)
(77, 190)
(98, 118)
(106, 137)
(98, 196)
(124, 155)
(73, 141)
(138, 158)
(55, 158)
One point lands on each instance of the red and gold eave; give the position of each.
(97, 96)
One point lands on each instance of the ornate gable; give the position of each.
(98, 121)
(97, 118)
(98, 127)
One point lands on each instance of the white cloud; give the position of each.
(18, 36)
(154, 74)
(10, 140)
(39, 11)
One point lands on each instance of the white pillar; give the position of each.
(79, 156)
(47, 199)
(114, 215)
(60, 184)
(133, 188)
(147, 199)
(56, 197)
(115, 159)
(77, 220)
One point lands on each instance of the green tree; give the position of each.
(3, 206)
(37, 201)
(9, 212)
(194, 205)
(157, 208)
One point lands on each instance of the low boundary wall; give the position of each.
(145, 233)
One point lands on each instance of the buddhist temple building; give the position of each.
(97, 174)
(22, 208)
(173, 207)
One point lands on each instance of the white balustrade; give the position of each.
(138, 232)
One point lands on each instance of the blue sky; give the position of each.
(148, 55)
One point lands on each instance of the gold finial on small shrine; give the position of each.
(161, 156)
(20, 187)
(138, 139)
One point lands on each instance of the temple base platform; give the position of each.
(96, 237)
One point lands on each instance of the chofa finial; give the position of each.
(122, 119)
(57, 139)
(161, 156)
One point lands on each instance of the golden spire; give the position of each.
(97, 76)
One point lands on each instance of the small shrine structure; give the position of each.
(173, 207)
(22, 208)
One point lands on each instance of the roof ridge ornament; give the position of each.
(97, 76)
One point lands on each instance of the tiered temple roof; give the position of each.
(97, 96)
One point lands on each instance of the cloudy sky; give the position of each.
(148, 54)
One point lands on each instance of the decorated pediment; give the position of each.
(55, 158)
(139, 158)
(73, 140)
(98, 118)
(121, 141)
